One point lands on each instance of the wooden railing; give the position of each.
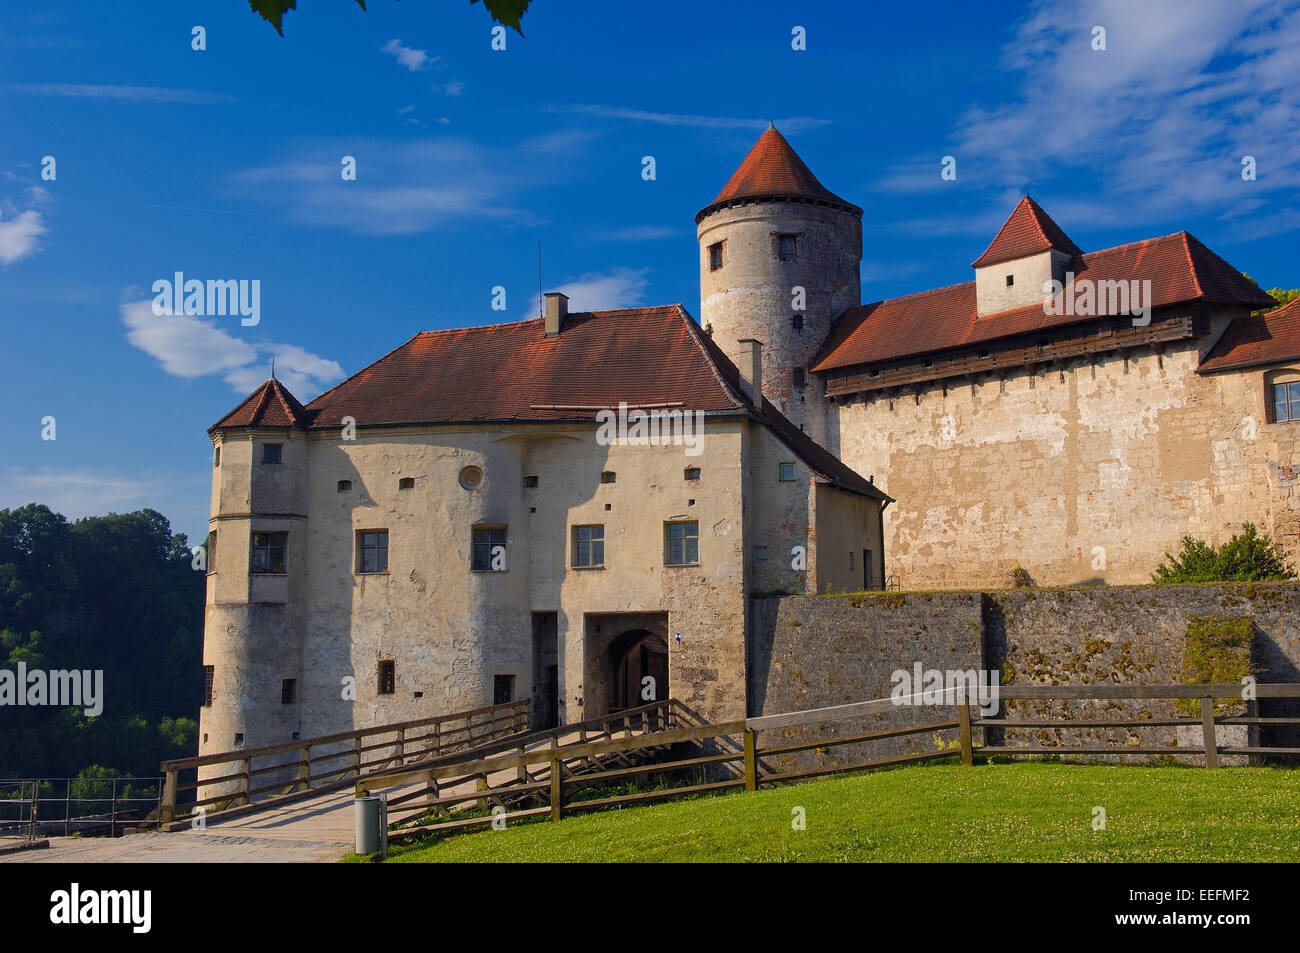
(732, 754)
(331, 762)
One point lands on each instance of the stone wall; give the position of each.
(1086, 474)
(819, 651)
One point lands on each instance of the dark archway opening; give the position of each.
(639, 661)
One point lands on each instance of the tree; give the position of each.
(1247, 557)
(1281, 295)
(508, 12)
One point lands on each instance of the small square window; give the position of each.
(787, 247)
(272, 452)
(345, 485)
(503, 689)
(760, 553)
(387, 677)
(692, 473)
(607, 476)
(209, 679)
(406, 483)
(530, 482)
(1011, 280)
(715, 256)
(288, 690)
(786, 472)
(372, 551)
(683, 543)
(588, 546)
(796, 321)
(268, 552)
(239, 738)
(489, 549)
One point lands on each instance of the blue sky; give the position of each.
(224, 163)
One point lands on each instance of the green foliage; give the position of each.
(508, 12)
(1281, 295)
(1217, 652)
(114, 593)
(1247, 557)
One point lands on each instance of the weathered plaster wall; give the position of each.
(750, 296)
(1087, 474)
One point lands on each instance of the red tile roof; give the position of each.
(1179, 267)
(514, 373)
(1258, 339)
(773, 169)
(271, 405)
(1027, 231)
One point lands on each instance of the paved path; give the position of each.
(318, 830)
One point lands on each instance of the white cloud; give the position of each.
(454, 88)
(19, 237)
(413, 59)
(430, 184)
(1184, 89)
(618, 288)
(641, 233)
(189, 346)
(78, 492)
(126, 94)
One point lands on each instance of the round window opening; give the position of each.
(471, 478)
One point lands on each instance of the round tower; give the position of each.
(779, 257)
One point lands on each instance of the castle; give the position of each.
(454, 525)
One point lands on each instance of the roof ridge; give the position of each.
(696, 333)
(363, 370)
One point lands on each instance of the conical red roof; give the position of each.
(1029, 230)
(773, 169)
(271, 405)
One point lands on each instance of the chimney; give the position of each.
(749, 361)
(557, 309)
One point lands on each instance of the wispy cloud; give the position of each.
(21, 226)
(126, 94)
(791, 124)
(190, 347)
(617, 288)
(641, 233)
(1163, 116)
(431, 184)
(409, 57)
(79, 492)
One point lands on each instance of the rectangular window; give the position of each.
(216, 457)
(683, 543)
(787, 247)
(1011, 280)
(588, 546)
(503, 689)
(387, 677)
(760, 553)
(288, 690)
(209, 677)
(715, 256)
(786, 472)
(796, 321)
(268, 552)
(372, 550)
(1286, 402)
(800, 377)
(212, 551)
(489, 549)
(530, 482)
(850, 559)
(271, 452)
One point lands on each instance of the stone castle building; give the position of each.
(460, 522)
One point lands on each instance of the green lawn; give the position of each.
(989, 812)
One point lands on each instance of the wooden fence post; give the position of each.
(304, 768)
(963, 729)
(1207, 733)
(167, 809)
(246, 781)
(557, 790)
(401, 746)
(751, 761)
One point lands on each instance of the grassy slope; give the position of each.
(993, 812)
